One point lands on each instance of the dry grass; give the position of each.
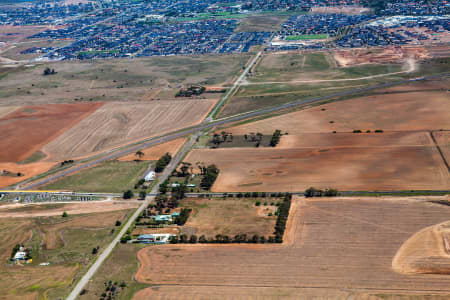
(44, 210)
(5, 110)
(337, 248)
(228, 216)
(116, 124)
(155, 153)
(65, 242)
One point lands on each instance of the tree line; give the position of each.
(313, 192)
(163, 162)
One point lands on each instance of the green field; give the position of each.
(111, 176)
(306, 37)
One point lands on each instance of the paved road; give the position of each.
(104, 255)
(208, 125)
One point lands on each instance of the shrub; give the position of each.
(128, 194)
(357, 131)
(379, 131)
(257, 203)
(65, 215)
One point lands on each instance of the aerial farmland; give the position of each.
(224, 150)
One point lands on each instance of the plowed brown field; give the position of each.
(116, 124)
(26, 130)
(407, 111)
(155, 153)
(28, 171)
(385, 161)
(337, 248)
(443, 140)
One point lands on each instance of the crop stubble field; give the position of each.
(117, 123)
(334, 248)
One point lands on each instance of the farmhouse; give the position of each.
(157, 238)
(20, 255)
(168, 218)
(150, 176)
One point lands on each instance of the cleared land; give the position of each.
(27, 129)
(146, 79)
(116, 124)
(111, 176)
(344, 168)
(64, 242)
(421, 110)
(229, 216)
(335, 248)
(155, 153)
(5, 110)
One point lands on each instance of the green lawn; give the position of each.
(111, 176)
(306, 37)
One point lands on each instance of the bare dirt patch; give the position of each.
(116, 124)
(344, 168)
(340, 248)
(155, 153)
(28, 171)
(26, 130)
(401, 111)
(354, 57)
(13, 34)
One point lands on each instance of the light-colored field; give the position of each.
(5, 110)
(155, 153)
(27, 129)
(28, 171)
(345, 168)
(403, 111)
(46, 210)
(228, 216)
(13, 34)
(65, 243)
(116, 124)
(427, 252)
(336, 248)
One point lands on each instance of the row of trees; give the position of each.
(223, 137)
(163, 162)
(222, 239)
(182, 218)
(283, 214)
(209, 177)
(313, 192)
(275, 138)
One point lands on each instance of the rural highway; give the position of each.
(104, 255)
(223, 121)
